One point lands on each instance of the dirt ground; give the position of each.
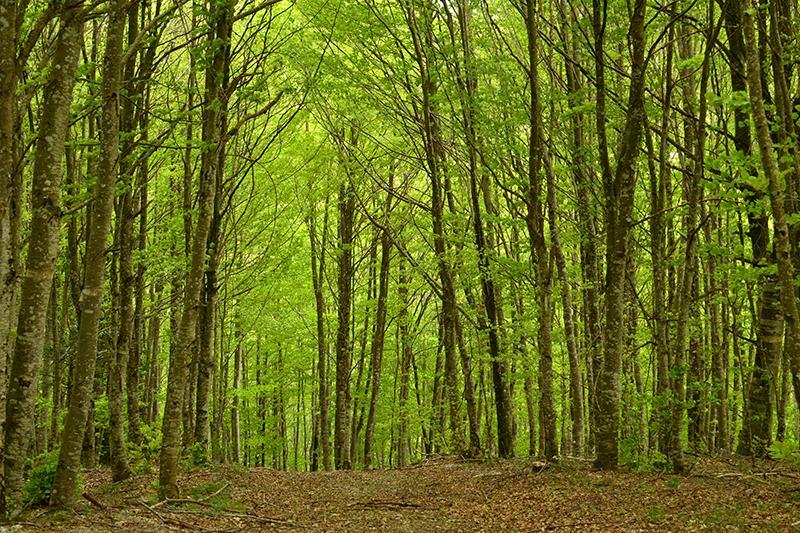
(442, 495)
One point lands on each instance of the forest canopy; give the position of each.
(339, 234)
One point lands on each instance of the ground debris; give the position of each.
(443, 494)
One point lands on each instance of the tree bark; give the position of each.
(318, 278)
(221, 22)
(344, 347)
(42, 249)
(776, 193)
(64, 483)
(8, 112)
(619, 191)
(380, 328)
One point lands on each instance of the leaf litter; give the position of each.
(442, 494)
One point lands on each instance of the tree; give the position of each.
(42, 249)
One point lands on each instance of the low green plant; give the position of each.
(787, 452)
(217, 496)
(657, 514)
(39, 485)
(198, 455)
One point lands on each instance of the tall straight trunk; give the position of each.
(659, 419)
(205, 359)
(139, 345)
(473, 414)
(344, 346)
(119, 363)
(592, 341)
(153, 351)
(776, 193)
(64, 483)
(619, 190)
(238, 357)
(758, 232)
(130, 124)
(403, 447)
(8, 108)
(430, 130)
(358, 402)
(575, 375)
(380, 328)
(521, 349)
(186, 190)
(42, 249)
(570, 321)
(205, 341)
(221, 22)
(695, 138)
(318, 279)
(719, 408)
(467, 87)
(535, 221)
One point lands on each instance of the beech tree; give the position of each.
(307, 235)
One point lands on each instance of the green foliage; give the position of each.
(657, 513)
(787, 452)
(142, 456)
(217, 495)
(198, 455)
(652, 461)
(39, 484)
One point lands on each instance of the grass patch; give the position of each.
(657, 514)
(217, 497)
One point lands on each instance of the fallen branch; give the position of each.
(263, 519)
(384, 503)
(234, 514)
(167, 521)
(174, 501)
(94, 501)
(201, 501)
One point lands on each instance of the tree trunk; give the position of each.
(619, 203)
(64, 483)
(42, 249)
(8, 112)
(344, 347)
(221, 22)
(430, 131)
(535, 221)
(318, 279)
(380, 328)
(770, 166)
(403, 447)
(208, 308)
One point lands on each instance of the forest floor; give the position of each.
(442, 494)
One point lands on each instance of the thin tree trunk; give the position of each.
(535, 220)
(403, 448)
(430, 130)
(344, 348)
(380, 327)
(318, 278)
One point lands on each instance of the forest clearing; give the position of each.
(399, 264)
(444, 494)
